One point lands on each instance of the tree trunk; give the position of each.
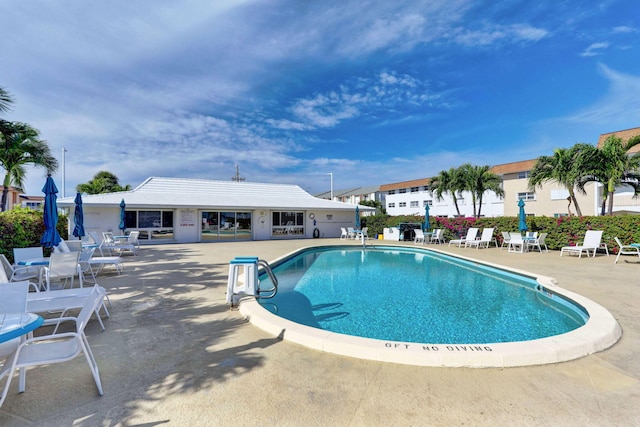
(5, 192)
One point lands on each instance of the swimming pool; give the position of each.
(419, 306)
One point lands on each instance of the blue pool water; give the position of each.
(413, 295)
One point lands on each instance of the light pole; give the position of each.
(64, 150)
(331, 176)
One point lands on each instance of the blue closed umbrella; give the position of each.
(426, 225)
(357, 217)
(123, 224)
(522, 224)
(78, 218)
(51, 237)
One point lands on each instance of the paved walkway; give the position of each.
(174, 354)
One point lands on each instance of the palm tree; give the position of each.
(447, 182)
(477, 180)
(102, 182)
(562, 167)
(612, 166)
(5, 100)
(20, 145)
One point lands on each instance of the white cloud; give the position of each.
(594, 49)
(618, 108)
(493, 34)
(624, 29)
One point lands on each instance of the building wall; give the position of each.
(492, 205)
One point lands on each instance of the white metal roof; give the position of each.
(199, 193)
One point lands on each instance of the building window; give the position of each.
(415, 204)
(391, 192)
(225, 226)
(427, 202)
(527, 196)
(402, 204)
(287, 224)
(402, 191)
(415, 189)
(523, 175)
(151, 224)
(392, 205)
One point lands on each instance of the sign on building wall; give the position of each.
(187, 218)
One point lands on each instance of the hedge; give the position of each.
(562, 231)
(22, 228)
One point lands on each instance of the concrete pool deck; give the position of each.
(174, 354)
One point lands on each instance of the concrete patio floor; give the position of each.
(174, 354)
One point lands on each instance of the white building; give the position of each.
(191, 210)
(411, 197)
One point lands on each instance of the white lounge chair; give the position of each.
(592, 242)
(66, 299)
(626, 250)
(54, 348)
(472, 233)
(485, 239)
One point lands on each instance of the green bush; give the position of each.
(22, 228)
(562, 231)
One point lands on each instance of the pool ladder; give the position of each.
(250, 285)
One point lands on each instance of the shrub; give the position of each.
(21, 228)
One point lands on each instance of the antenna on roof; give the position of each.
(237, 176)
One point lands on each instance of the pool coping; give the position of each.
(599, 333)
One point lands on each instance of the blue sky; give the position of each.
(373, 92)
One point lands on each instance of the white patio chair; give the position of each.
(472, 233)
(129, 246)
(626, 250)
(133, 239)
(505, 239)
(437, 236)
(351, 233)
(343, 233)
(592, 242)
(63, 267)
(516, 243)
(23, 254)
(419, 236)
(11, 273)
(54, 348)
(483, 242)
(538, 242)
(365, 233)
(107, 242)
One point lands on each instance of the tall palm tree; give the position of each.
(612, 166)
(5, 100)
(20, 145)
(562, 167)
(477, 180)
(447, 182)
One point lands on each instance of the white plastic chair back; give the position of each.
(6, 271)
(133, 238)
(63, 266)
(487, 234)
(74, 245)
(592, 239)
(13, 297)
(22, 254)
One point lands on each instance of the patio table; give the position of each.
(14, 325)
